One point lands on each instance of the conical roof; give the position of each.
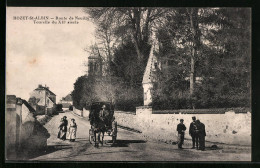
(150, 67)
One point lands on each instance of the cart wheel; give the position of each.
(91, 136)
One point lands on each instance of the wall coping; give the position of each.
(203, 111)
(125, 112)
(191, 111)
(10, 99)
(19, 101)
(144, 107)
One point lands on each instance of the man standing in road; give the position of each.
(65, 121)
(114, 130)
(181, 130)
(194, 136)
(103, 115)
(202, 134)
(63, 128)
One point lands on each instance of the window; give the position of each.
(145, 96)
(155, 65)
(90, 67)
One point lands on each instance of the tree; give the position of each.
(210, 43)
(136, 21)
(126, 67)
(106, 42)
(184, 40)
(217, 42)
(195, 31)
(83, 91)
(89, 89)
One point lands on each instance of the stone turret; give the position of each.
(149, 76)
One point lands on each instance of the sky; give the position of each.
(47, 54)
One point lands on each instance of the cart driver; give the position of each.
(103, 113)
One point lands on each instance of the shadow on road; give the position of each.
(45, 151)
(125, 143)
(81, 140)
(206, 148)
(92, 153)
(97, 153)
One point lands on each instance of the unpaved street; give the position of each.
(130, 147)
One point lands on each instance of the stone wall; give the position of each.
(11, 139)
(228, 128)
(82, 113)
(85, 113)
(77, 111)
(127, 119)
(23, 131)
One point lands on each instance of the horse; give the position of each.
(99, 119)
(99, 129)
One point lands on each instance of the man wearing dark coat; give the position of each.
(181, 130)
(192, 132)
(65, 121)
(63, 128)
(103, 115)
(202, 134)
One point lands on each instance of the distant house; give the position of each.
(42, 96)
(66, 101)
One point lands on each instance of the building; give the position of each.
(42, 96)
(95, 66)
(66, 101)
(149, 77)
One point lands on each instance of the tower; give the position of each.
(94, 66)
(149, 78)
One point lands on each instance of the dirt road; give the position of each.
(130, 147)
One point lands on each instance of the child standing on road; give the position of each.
(72, 130)
(114, 130)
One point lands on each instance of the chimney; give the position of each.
(47, 88)
(39, 86)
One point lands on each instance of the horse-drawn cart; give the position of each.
(102, 120)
